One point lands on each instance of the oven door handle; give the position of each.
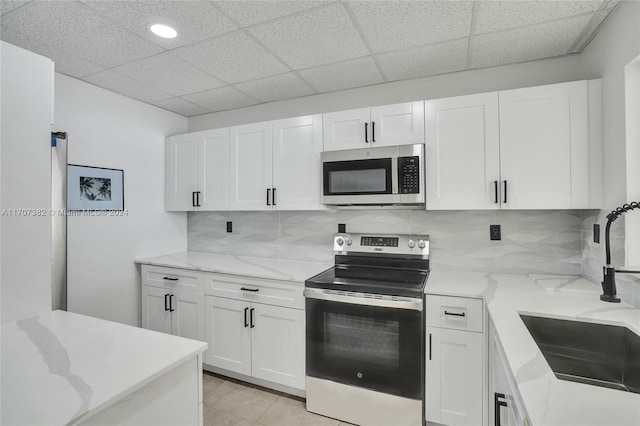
(408, 303)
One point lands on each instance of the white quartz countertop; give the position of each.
(60, 368)
(276, 269)
(547, 400)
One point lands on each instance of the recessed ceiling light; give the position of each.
(163, 31)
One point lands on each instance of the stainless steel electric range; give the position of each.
(365, 336)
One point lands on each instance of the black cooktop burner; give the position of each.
(370, 279)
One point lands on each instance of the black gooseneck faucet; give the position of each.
(609, 281)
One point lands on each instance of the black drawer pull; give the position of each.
(429, 346)
(366, 130)
(246, 324)
(373, 132)
(251, 315)
(255, 290)
(170, 279)
(171, 303)
(495, 190)
(455, 314)
(166, 302)
(268, 196)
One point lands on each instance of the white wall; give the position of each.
(454, 84)
(615, 45)
(109, 130)
(26, 171)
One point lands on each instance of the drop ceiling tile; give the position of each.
(393, 25)
(170, 74)
(252, 12)
(424, 61)
(343, 75)
(220, 99)
(284, 86)
(182, 107)
(504, 15)
(7, 6)
(193, 20)
(232, 58)
(126, 86)
(525, 44)
(72, 27)
(318, 37)
(65, 62)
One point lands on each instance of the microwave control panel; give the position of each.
(409, 175)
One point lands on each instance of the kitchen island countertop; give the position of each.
(547, 400)
(61, 368)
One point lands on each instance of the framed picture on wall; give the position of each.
(94, 188)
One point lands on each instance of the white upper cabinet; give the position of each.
(197, 171)
(346, 129)
(397, 124)
(297, 144)
(463, 152)
(518, 149)
(251, 166)
(181, 172)
(544, 147)
(213, 169)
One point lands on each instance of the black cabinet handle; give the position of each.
(198, 199)
(250, 289)
(246, 324)
(429, 346)
(166, 302)
(171, 303)
(170, 279)
(495, 190)
(373, 132)
(193, 199)
(497, 403)
(268, 196)
(505, 192)
(366, 127)
(455, 314)
(273, 197)
(251, 315)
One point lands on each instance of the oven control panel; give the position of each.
(345, 243)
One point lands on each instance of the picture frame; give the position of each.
(94, 188)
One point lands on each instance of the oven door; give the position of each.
(376, 347)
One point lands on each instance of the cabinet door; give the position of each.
(278, 345)
(297, 144)
(228, 334)
(454, 374)
(213, 169)
(463, 153)
(187, 318)
(154, 315)
(544, 147)
(181, 172)
(397, 124)
(251, 166)
(346, 129)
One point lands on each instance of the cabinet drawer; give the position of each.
(461, 313)
(172, 278)
(255, 290)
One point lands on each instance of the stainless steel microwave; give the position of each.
(392, 175)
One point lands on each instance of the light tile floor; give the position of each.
(229, 402)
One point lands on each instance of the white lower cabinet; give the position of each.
(505, 405)
(258, 340)
(173, 312)
(455, 365)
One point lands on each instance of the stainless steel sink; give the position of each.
(596, 354)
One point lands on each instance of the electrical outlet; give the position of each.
(596, 233)
(342, 228)
(229, 226)
(495, 233)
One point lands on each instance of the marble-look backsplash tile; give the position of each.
(532, 241)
